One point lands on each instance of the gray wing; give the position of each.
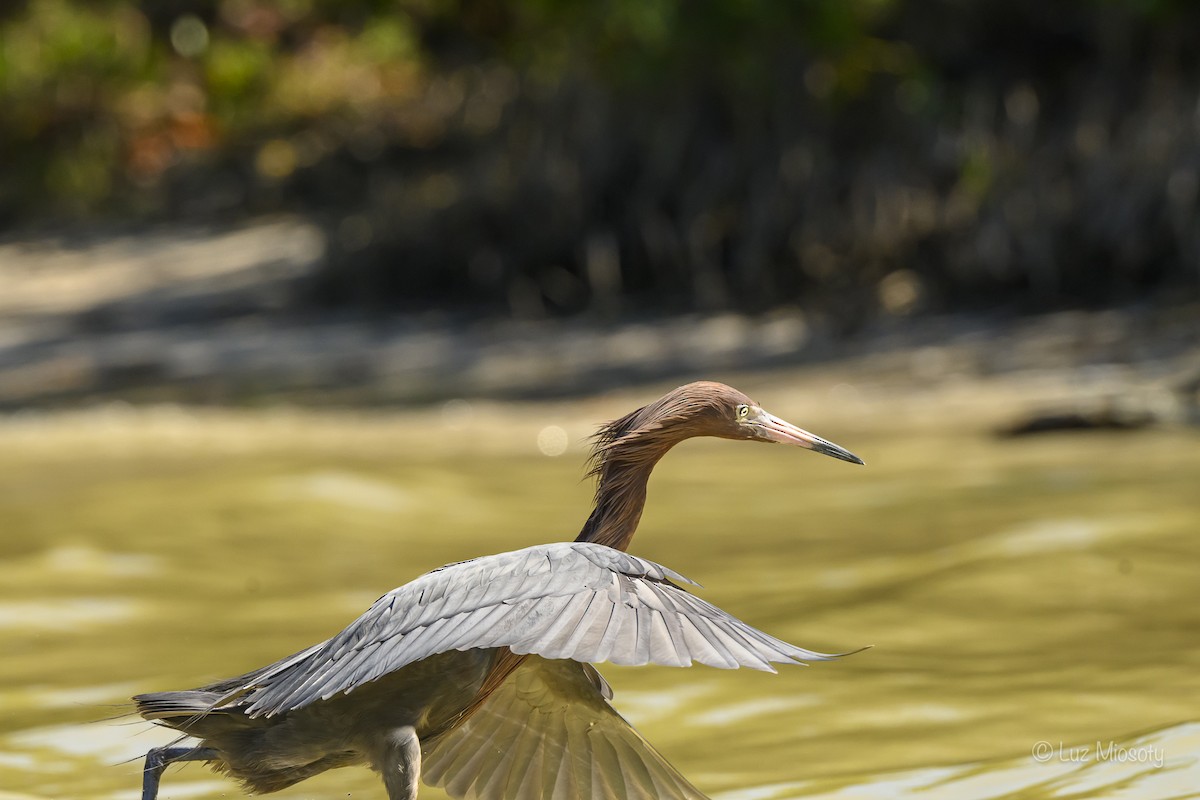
(548, 733)
(570, 600)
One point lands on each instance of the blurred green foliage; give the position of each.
(726, 153)
(103, 98)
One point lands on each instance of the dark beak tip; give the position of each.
(841, 454)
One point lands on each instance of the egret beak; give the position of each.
(773, 429)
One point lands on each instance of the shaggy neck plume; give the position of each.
(624, 457)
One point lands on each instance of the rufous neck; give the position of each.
(620, 498)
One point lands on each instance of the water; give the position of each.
(1032, 605)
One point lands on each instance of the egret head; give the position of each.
(704, 408)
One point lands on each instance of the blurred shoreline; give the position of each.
(209, 317)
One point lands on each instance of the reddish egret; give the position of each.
(477, 676)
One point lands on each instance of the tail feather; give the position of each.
(195, 713)
(237, 742)
(166, 706)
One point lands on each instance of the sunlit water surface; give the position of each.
(1033, 605)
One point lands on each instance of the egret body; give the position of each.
(477, 676)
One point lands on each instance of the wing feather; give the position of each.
(569, 618)
(572, 600)
(550, 735)
(562, 645)
(698, 644)
(473, 627)
(441, 635)
(641, 652)
(612, 632)
(624, 649)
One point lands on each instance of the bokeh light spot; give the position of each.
(552, 441)
(276, 159)
(189, 36)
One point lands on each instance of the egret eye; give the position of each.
(743, 411)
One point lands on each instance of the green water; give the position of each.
(1015, 593)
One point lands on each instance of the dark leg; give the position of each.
(160, 758)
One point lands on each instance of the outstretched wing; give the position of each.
(571, 600)
(548, 733)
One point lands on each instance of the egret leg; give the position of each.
(158, 759)
(399, 761)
